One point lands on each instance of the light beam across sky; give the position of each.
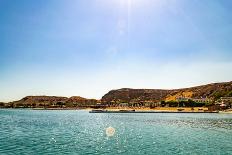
(88, 47)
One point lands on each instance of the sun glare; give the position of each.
(121, 3)
(132, 4)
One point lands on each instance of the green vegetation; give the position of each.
(2, 104)
(217, 95)
(189, 103)
(229, 94)
(60, 104)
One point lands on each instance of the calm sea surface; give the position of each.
(80, 132)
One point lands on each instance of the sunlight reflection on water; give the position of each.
(79, 132)
(110, 131)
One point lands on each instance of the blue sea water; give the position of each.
(80, 132)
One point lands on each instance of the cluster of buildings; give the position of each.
(225, 102)
(198, 100)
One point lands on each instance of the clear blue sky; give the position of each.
(88, 47)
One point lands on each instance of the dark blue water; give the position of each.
(80, 132)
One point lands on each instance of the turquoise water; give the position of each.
(80, 132)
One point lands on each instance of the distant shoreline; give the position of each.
(143, 110)
(138, 110)
(210, 97)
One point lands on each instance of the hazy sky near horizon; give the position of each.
(88, 47)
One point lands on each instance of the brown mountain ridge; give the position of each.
(211, 91)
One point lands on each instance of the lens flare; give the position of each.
(110, 131)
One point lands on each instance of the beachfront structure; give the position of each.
(151, 104)
(202, 100)
(226, 99)
(198, 100)
(123, 104)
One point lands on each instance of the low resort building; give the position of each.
(202, 100)
(226, 102)
(198, 100)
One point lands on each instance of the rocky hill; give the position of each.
(52, 101)
(212, 91)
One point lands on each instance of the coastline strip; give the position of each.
(105, 111)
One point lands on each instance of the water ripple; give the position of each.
(78, 132)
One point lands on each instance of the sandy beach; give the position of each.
(188, 109)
